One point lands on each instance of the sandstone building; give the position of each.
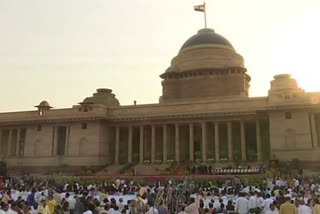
(204, 113)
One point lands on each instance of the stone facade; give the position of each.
(204, 114)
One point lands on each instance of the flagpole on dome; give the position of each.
(202, 8)
(205, 14)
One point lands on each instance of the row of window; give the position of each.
(202, 73)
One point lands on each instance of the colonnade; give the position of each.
(314, 135)
(11, 146)
(204, 141)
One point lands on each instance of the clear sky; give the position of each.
(63, 50)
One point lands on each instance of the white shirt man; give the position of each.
(216, 204)
(252, 204)
(242, 204)
(152, 210)
(72, 202)
(11, 211)
(272, 210)
(304, 209)
(266, 204)
(192, 208)
(260, 201)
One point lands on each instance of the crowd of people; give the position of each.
(284, 195)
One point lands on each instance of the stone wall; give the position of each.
(290, 134)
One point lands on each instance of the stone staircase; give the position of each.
(152, 169)
(110, 170)
(140, 169)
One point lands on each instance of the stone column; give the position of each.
(191, 142)
(55, 141)
(165, 143)
(117, 147)
(258, 132)
(243, 141)
(314, 131)
(230, 147)
(130, 144)
(141, 144)
(18, 142)
(66, 146)
(216, 141)
(177, 143)
(9, 143)
(153, 143)
(204, 141)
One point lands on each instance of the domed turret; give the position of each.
(207, 66)
(285, 89)
(43, 106)
(103, 96)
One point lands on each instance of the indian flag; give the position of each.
(200, 8)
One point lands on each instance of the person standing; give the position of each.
(57, 197)
(14, 209)
(252, 203)
(51, 204)
(267, 203)
(31, 198)
(72, 202)
(162, 209)
(43, 208)
(192, 208)
(4, 208)
(79, 207)
(242, 206)
(272, 210)
(6, 198)
(287, 207)
(316, 208)
(304, 209)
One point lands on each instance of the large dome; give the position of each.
(207, 66)
(206, 37)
